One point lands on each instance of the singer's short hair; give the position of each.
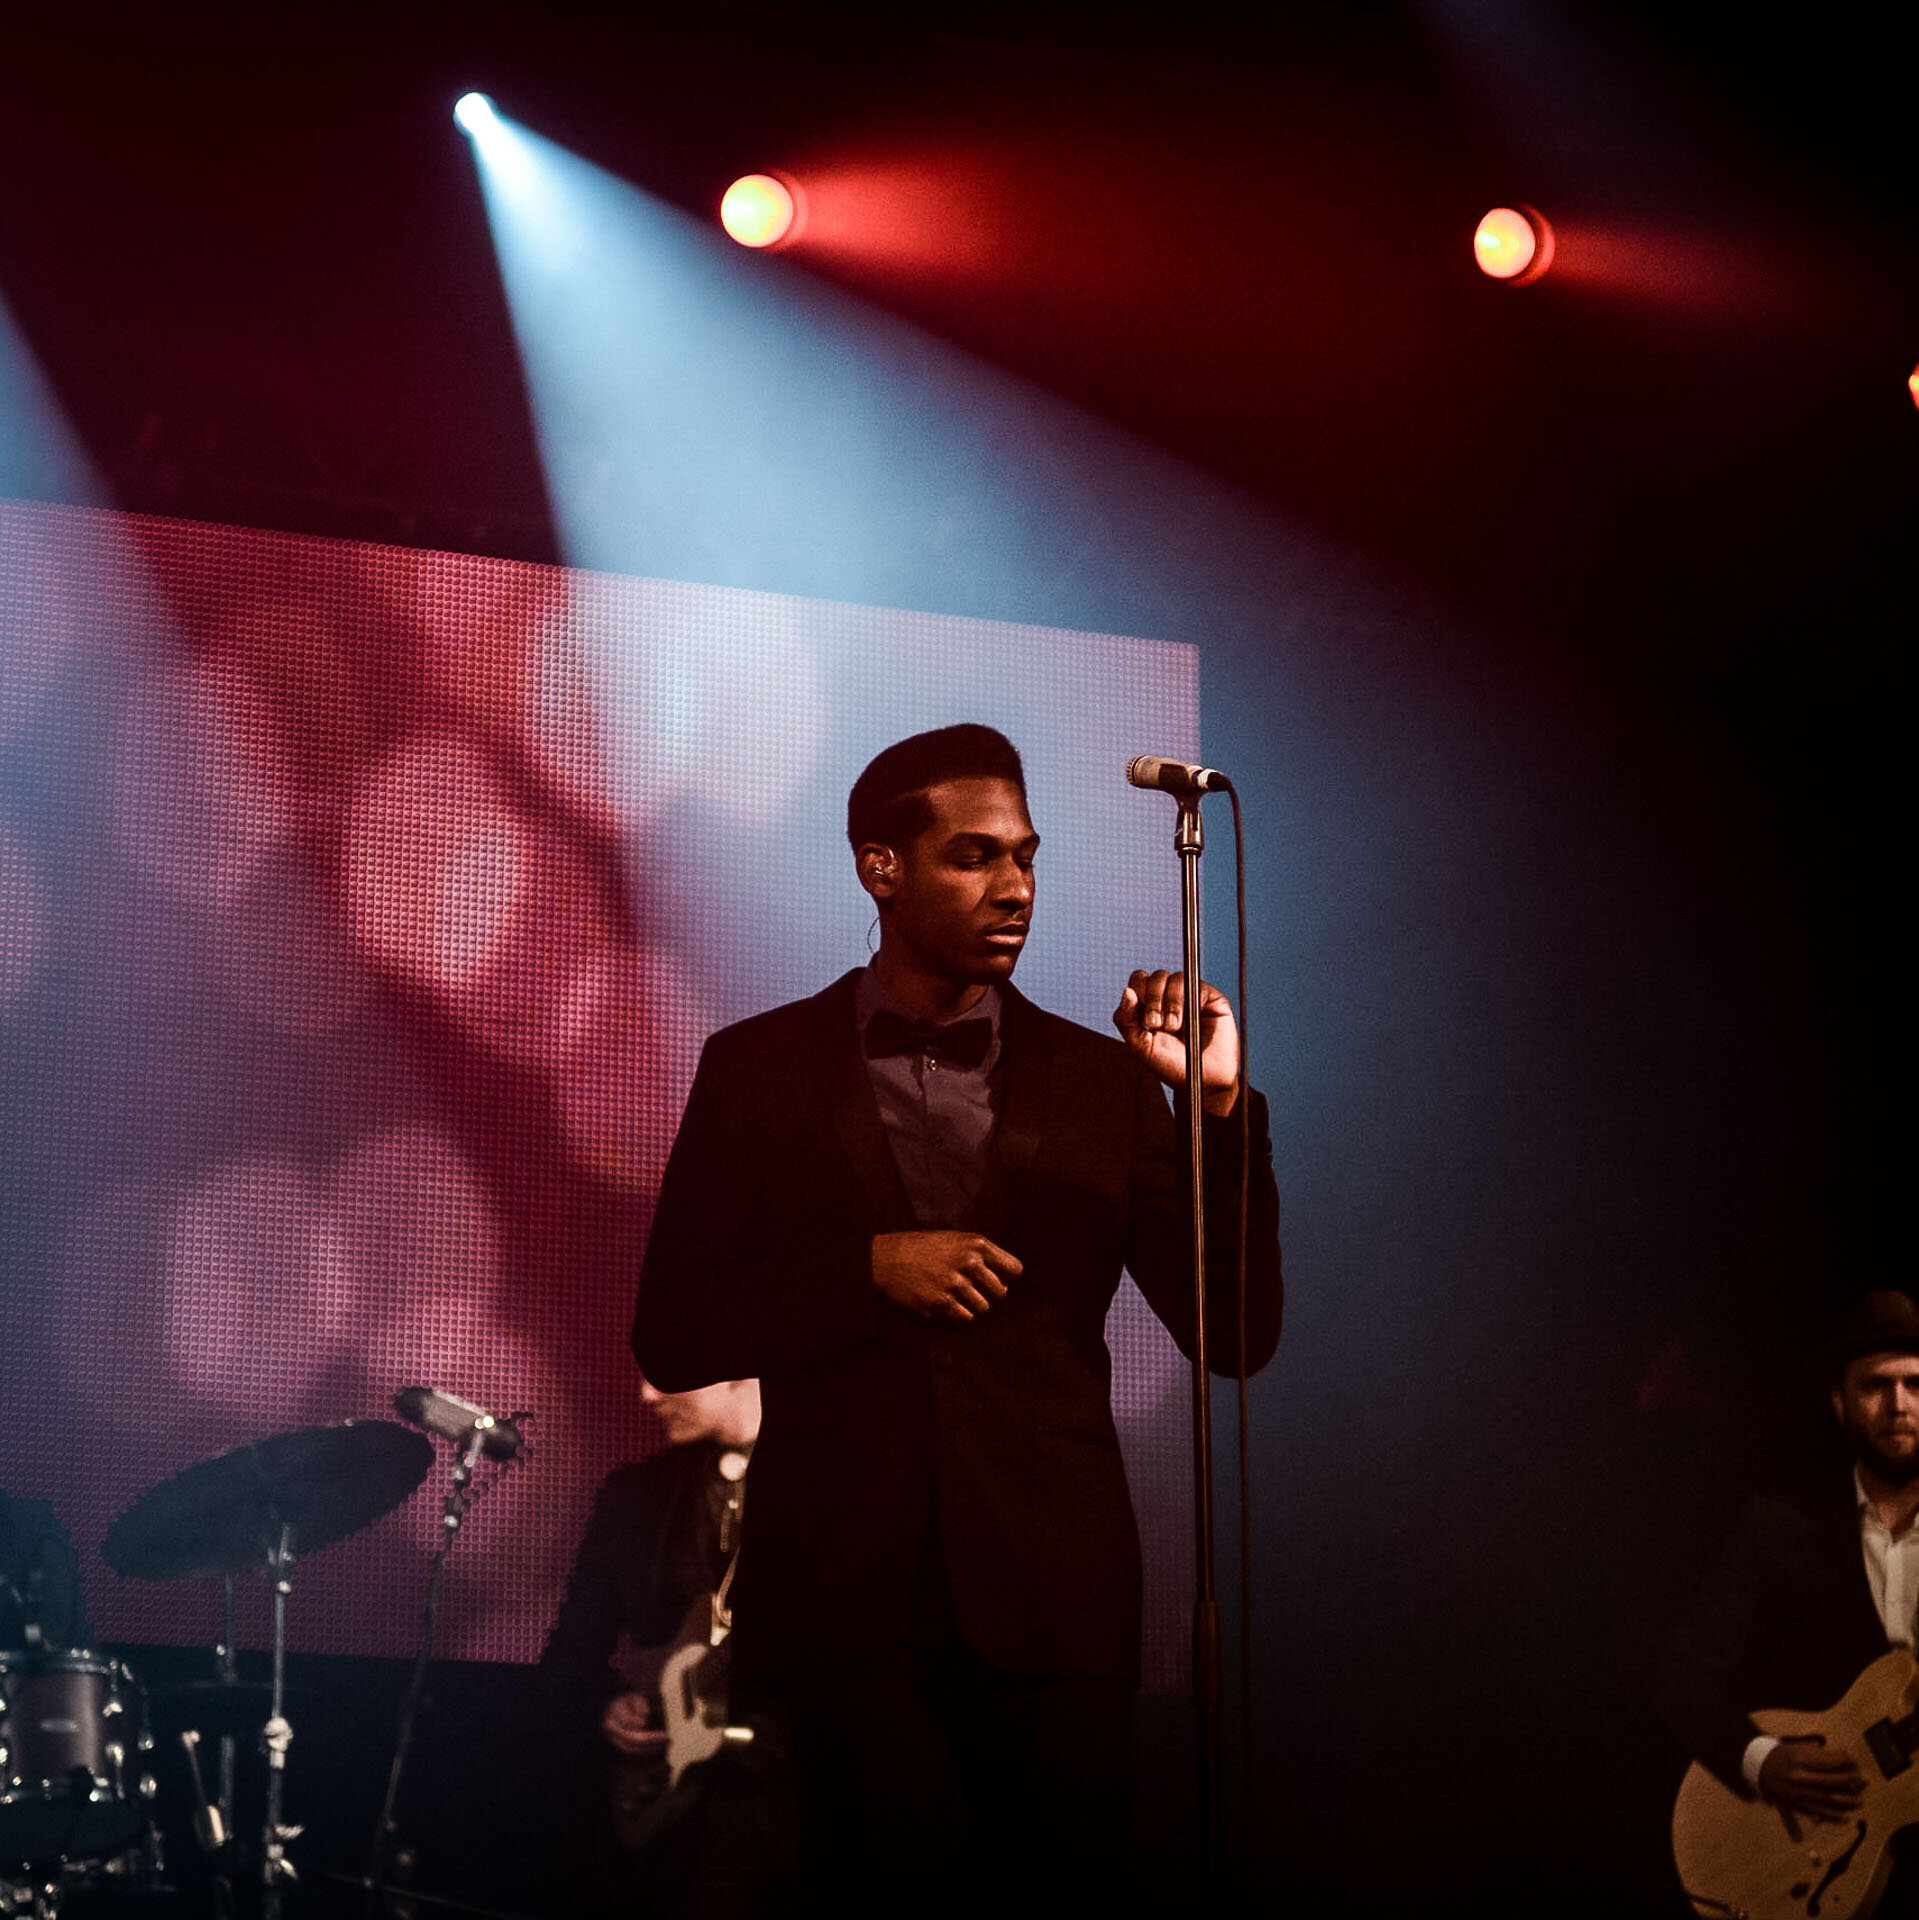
(888, 804)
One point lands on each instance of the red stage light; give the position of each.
(1514, 243)
(763, 210)
(1912, 385)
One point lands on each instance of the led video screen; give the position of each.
(362, 913)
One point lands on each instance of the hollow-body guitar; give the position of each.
(1742, 1856)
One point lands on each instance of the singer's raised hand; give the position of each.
(1151, 1018)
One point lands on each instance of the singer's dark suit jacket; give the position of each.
(1785, 1620)
(876, 1420)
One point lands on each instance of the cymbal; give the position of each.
(224, 1515)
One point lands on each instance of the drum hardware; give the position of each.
(409, 1898)
(226, 1667)
(244, 1509)
(37, 1899)
(128, 1883)
(75, 1757)
(67, 1732)
(212, 1709)
(209, 1718)
(209, 1822)
(276, 1870)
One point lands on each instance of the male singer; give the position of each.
(904, 1205)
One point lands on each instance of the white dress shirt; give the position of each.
(1892, 1572)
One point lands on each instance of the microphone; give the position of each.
(1174, 776)
(457, 1420)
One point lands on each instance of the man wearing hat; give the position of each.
(1815, 1584)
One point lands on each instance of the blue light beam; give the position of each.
(40, 457)
(706, 414)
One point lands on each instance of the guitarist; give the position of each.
(1814, 1586)
(651, 1579)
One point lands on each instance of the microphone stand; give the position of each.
(1189, 842)
(451, 1516)
(226, 1663)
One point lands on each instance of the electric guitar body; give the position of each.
(689, 1678)
(1742, 1856)
(694, 1683)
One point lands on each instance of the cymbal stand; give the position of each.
(276, 1870)
(226, 1661)
(213, 1814)
(380, 1857)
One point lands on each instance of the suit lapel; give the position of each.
(848, 1089)
(1026, 1090)
(1842, 1525)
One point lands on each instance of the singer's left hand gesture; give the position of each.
(1151, 1018)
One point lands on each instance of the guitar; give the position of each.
(695, 1680)
(690, 1676)
(1742, 1856)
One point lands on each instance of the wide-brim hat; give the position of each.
(1885, 1321)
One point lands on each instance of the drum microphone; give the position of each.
(457, 1420)
(28, 1613)
(1174, 776)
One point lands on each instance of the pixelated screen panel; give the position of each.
(362, 912)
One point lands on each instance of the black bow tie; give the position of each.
(964, 1042)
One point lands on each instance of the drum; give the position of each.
(70, 1740)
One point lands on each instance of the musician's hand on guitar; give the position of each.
(628, 1724)
(942, 1275)
(1813, 1778)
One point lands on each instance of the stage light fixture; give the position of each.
(1912, 385)
(1514, 244)
(476, 114)
(763, 210)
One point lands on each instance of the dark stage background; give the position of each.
(1550, 632)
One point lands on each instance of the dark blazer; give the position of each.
(648, 1552)
(759, 1264)
(1785, 1620)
